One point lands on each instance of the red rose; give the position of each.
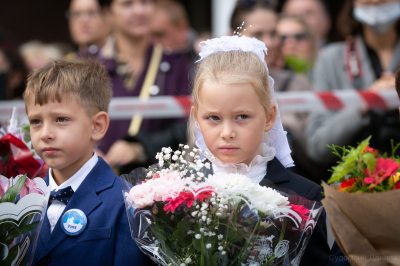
(2, 168)
(346, 184)
(4, 145)
(20, 161)
(13, 169)
(398, 185)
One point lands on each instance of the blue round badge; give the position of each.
(73, 222)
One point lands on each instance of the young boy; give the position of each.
(86, 222)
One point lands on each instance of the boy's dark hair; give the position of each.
(84, 79)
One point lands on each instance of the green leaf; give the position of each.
(163, 215)
(341, 170)
(181, 233)
(350, 161)
(21, 230)
(4, 158)
(196, 244)
(12, 254)
(214, 259)
(370, 161)
(363, 145)
(13, 191)
(174, 245)
(394, 148)
(27, 136)
(26, 128)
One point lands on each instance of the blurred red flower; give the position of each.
(371, 150)
(303, 212)
(347, 184)
(173, 203)
(384, 168)
(20, 160)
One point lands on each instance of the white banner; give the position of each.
(179, 106)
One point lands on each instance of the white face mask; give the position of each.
(379, 17)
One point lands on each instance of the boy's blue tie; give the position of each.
(63, 195)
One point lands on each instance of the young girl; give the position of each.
(238, 124)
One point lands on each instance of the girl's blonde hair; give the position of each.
(233, 67)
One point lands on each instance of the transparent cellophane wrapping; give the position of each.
(249, 238)
(20, 224)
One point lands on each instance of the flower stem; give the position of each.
(248, 240)
(280, 239)
(202, 252)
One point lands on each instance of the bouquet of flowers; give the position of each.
(180, 214)
(364, 205)
(15, 156)
(22, 209)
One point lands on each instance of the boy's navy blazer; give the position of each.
(317, 250)
(106, 239)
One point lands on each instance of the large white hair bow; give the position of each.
(278, 139)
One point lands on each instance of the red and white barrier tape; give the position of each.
(179, 106)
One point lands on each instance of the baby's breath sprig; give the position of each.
(175, 161)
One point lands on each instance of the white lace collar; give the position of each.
(256, 170)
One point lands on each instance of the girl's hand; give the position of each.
(123, 152)
(385, 82)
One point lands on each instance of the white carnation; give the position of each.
(232, 182)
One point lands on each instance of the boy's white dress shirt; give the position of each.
(57, 207)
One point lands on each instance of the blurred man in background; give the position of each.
(170, 28)
(315, 14)
(87, 24)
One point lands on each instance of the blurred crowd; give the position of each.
(149, 41)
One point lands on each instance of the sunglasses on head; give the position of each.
(298, 37)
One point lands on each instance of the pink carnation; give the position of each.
(159, 188)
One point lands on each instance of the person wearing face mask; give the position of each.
(138, 68)
(262, 17)
(366, 60)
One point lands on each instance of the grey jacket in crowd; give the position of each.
(339, 127)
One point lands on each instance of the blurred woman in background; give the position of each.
(299, 45)
(131, 58)
(367, 60)
(87, 25)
